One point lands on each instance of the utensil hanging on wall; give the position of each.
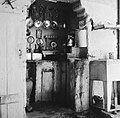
(38, 23)
(54, 24)
(40, 41)
(29, 22)
(34, 11)
(62, 25)
(38, 33)
(28, 32)
(30, 39)
(54, 13)
(46, 24)
(48, 16)
(41, 13)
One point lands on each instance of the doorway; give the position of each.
(50, 36)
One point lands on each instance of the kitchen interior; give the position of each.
(57, 40)
(50, 37)
(52, 27)
(69, 59)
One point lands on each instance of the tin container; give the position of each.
(111, 55)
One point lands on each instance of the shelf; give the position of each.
(35, 56)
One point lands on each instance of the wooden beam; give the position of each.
(7, 99)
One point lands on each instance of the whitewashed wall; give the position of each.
(101, 42)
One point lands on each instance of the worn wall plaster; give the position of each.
(101, 42)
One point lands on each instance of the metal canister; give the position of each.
(111, 55)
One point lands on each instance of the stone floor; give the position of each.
(56, 111)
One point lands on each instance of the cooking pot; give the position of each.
(38, 23)
(54, 24)
(46, 24)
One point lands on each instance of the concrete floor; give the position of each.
(56, 111)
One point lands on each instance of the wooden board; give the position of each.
(12, 63)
